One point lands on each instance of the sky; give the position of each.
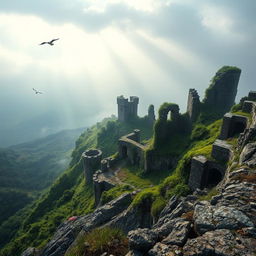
(153, 49)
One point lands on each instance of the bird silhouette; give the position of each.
(36, 91)
(50, 42)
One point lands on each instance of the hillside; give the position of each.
(153, 190)
(27, 169)
(68, 195)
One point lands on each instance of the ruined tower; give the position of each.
(221, 94)
(91, 161)
(151, 113)
(193, 105)
(127, 110)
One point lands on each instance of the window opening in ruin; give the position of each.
(124, 151)
(213, 178)
(239, 127)
(136, 157)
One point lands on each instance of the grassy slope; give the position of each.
(68, 195)
(28, 168)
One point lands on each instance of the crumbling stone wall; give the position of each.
(91, 162)
(100, 184)
(193, 105)
(232, 124)
(151, 113)
(205, 173)
(129, 147)
(127, 110)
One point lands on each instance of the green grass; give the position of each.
(210, 194)
(107, 239)
(115, 192)
(131, 177)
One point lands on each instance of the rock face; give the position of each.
(221, 94)
(68, 231)
(219, 243)
(209, 217)
(248, 155)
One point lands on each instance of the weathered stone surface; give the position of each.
(164, 228)
(179, 234)
(219, 243)
(172, 203)
(161, 249)
(248, 155)
(183, 207)
(142, 239)
(31, 251)
(209, 217)
(131, 219)
(220, 96)
(221, 150)
(68, 231)
(134, 253)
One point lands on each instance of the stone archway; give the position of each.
(238, 128)
(212, 178)
(167, 108)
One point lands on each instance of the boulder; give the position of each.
(68, 231)
(207, 217)
(161, 249)
(142, 239)
(220, 242)
(248, 155)
(179, 234)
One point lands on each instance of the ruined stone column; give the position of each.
(91, 162)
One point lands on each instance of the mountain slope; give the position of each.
(28, 168)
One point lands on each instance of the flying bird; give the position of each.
(50, 42)
(36, 91)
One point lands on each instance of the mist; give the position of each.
(153, 49)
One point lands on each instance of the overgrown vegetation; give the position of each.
(98, 241)
(69, 195)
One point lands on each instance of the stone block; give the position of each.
(221, 150)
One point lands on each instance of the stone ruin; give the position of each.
(127, 110)
(205, 173)
(219, 97)
(232, 125)
(91, 161)
(193, 105)
(151, 114)
(130, 148)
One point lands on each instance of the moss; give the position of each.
(149, 194)
(210, 194)
(199, 132)
(115, 192)
(219, 75)
(157, 206)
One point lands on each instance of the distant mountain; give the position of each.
(28, 168)
(33, 128)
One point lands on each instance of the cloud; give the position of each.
(154, 49)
